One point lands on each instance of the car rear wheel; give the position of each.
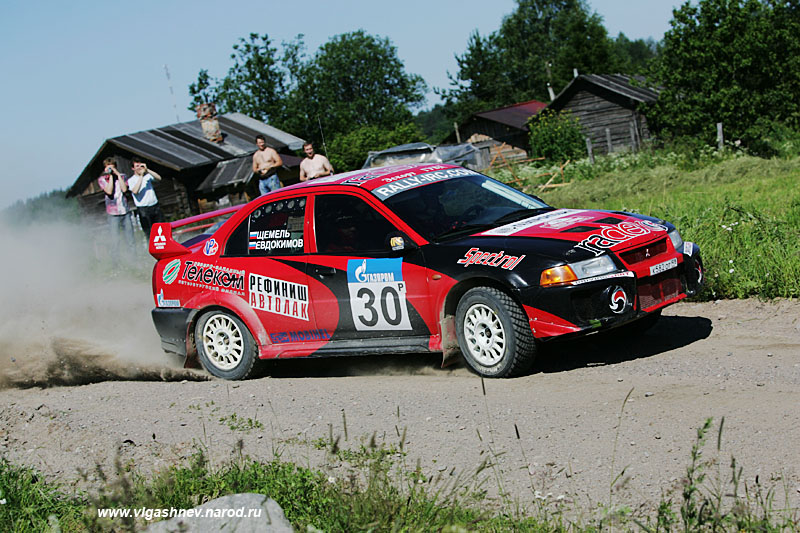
(493, 333)
(224, 345)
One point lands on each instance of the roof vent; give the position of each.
(207, 113)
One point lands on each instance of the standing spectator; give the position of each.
(314, 165)
(265, 165)
(115, 186)
(141, 185)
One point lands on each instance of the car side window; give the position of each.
(275, 228)
(347, 224)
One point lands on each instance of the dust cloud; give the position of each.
(69, 316)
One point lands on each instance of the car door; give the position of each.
(372, 291)
(269, 244)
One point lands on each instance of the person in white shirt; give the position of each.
(144, 196)
(314, 165)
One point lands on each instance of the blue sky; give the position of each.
(77, 73)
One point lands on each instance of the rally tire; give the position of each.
(225, 346)
(493, 333)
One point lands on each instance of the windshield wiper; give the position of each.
(520, 214)
(462, 230)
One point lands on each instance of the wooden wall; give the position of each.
(495, 130)
(598, 109)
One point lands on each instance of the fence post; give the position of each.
(720, 138)
(608, 141)
(634, 148)
(589, 149)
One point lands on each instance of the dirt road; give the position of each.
(565, 430)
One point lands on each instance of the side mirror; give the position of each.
(400, 243)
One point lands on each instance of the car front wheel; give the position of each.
(493, 333)
(224, 345)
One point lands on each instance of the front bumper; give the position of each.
(613, 300)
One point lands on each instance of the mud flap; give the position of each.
(451, 353)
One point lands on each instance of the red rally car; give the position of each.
(413, 258)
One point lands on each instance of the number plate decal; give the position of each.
(663, 267)
(377, 294)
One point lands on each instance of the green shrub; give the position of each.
(556, 136)
(348, 152)
(766, 138)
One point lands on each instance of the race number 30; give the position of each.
(377, 294)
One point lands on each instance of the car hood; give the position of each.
(585, 230)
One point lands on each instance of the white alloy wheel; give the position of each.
(223, 342)
(485, 335)
(493, 333)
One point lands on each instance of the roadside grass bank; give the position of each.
(378, 491)
(743, 211)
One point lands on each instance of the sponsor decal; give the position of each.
(397, 243)
(617, 300)
(516, 227)
(626, 274)
(273, 239)
(475, 256)
(415, 173)
(377, 294)
(663, 267)
(163, 302)
(278, 296)
(300, 336)
(610, 236)
(561, 223)
(204, 275)
(377, 173)
(159, 241)
(211, 247)
(687, 248)
(390, 189)
(171, 271)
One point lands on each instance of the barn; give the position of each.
(202, 168)
(506, 124)
(609, 109)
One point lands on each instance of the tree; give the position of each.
(348, 151)
(541, 42)
(730, 61)
(353, 80)
(254, 84)
(632, 57)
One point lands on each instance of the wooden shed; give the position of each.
(502, 125)
(608, 108)
(198, 173)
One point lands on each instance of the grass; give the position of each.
(377, 492)
(743, 211)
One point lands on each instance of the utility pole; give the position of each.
(172, 93)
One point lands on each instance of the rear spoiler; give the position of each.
(162, 243)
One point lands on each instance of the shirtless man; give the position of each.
(265, 165)
(314, 165)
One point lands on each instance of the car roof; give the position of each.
(372, 178)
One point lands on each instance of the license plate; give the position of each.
(663, 267)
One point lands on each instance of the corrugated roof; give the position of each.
(183, 146)
(235, 171)
(617, 83)
(516, 115)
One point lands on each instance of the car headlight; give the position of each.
(675, 237)
(597, 266)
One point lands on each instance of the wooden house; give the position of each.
(199, 171)
(504, 125)
(608, 108)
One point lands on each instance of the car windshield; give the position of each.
(457, 206)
